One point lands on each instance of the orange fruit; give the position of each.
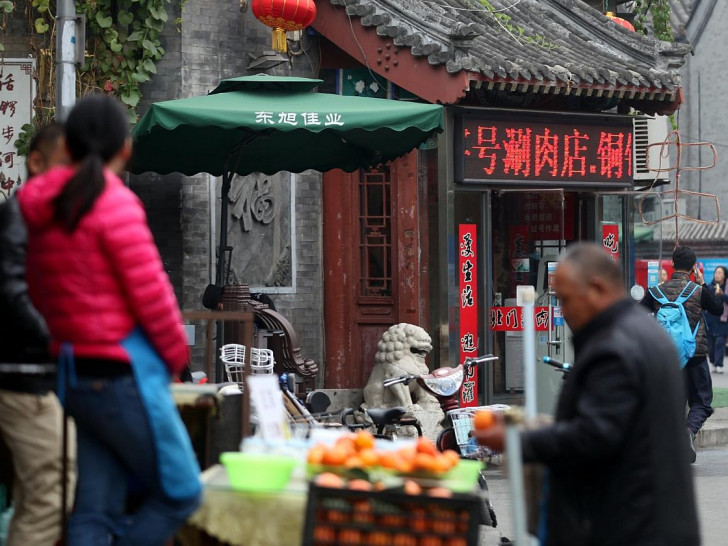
(337, 516)
(403, 466)
(360, 485)
(362, 512)
(369, 457)
(379, 538)
(335, 456)
(389, 459)
(392, 520)
(346, 443)
(364, 440)
(440, 492)
(456, 541)
(452, 455)
(354, 462)
(350, 536)
(430, 541)
(324, 534)
(316, 454)
(403, 539)
(425, 462)
(483, 419)
(412, 487)
(408, 453)
(425, 445)
(442, 464)
(329, 479)
(418, 518)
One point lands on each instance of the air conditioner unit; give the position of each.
(650, 130)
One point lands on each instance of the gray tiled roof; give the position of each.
(692, 232)
(550, 43)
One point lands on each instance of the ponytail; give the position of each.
(96, 130)
(80, 193)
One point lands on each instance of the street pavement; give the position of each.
(711, 484)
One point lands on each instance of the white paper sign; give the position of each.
(267, 402)
(17, 90)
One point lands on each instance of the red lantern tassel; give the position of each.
(279, 40)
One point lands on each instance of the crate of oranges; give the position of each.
(356, 513)
(359, 452)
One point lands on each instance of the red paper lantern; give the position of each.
(284, 16)
(626, 24)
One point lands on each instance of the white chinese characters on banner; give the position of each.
(17, 89)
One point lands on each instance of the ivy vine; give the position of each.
(660, 12)
(123, 47)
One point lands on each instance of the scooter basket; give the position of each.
(462, 423)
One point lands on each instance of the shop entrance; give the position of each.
(522, 233)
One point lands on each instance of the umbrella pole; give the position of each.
(226, 180)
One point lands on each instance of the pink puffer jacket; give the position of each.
(96, 285)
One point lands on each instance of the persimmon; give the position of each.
(412, 487)
(483, 419)
(453, 455)
(456, 541)
(379, 538)
(364, 440)
(424, 461)
(335, 456)
(350, 536)
(362, 511)
(389, 459)
(316, 454)
(442, 464)
(403, 539)
(354, 462)
(360, 485)
(347, 444)
(329, 479)
(369, 457)
(418, 518)
(425, 445)
(326, 534)
(430, 540)
(392, 520)
(440, 492)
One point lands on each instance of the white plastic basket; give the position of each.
(261, 361)
(462, 422)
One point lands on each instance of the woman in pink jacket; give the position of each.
(95, 275)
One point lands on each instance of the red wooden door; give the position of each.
(373, 278)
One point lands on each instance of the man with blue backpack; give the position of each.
(678, 305)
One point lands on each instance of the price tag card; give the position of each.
(267, 403)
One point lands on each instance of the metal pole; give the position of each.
(515, 479)
(65, 58)
(526, 297)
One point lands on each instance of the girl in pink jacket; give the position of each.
(95, 275)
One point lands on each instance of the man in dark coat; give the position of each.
(617, 456)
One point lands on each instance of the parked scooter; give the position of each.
(445, 384)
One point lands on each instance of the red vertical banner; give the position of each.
(468, 277)
(610, 240)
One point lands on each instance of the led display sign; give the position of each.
(561, 150)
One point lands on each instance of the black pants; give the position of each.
(699, 390)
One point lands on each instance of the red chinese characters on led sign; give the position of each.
(542, 151)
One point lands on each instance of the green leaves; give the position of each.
(130, 98)
(41, 27)
(6, 6)
(103, 22)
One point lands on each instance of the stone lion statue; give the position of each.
(401, 351)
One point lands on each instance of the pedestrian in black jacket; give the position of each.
(30, 415)
(698, 384)
(617, 456)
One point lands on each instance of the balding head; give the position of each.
(587, 282)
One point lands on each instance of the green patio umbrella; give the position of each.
(269, 124)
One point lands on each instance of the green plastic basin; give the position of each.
(257, 472)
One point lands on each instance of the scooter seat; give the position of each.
(385, 416)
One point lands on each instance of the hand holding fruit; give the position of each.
(488, 430)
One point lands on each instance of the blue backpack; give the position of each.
(672, 317)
